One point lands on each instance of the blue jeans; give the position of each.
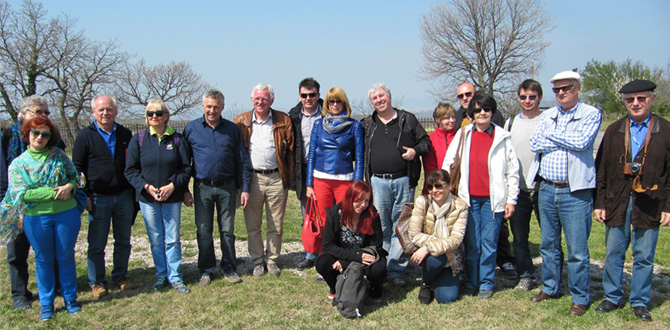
(163, 221)
(617, 240)
(560, 208)
(223, 198)
(443, 281)
(481, 244)
(520, 225)
(389, 196)
(116, 210)
(53, 237)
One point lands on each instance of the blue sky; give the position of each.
(351, 44)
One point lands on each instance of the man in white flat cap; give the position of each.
(564, 166)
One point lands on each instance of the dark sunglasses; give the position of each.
(305, 95)
(40, 112)
(565, 88)
(335, 101)
(437, 186)
(639, 98)
(157, 113)
(478, 110)
(461, 96)
(530, 97)
(44, 135)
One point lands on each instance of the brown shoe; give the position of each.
(98, 290)
(577, 309)
(273, 269)
(124, 284)
(542, 296)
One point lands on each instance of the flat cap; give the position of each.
(638, 85)
(566, 75)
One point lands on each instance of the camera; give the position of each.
(632, 168)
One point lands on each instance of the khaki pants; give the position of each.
(266, 189)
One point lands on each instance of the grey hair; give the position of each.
(31, 100)
(379, 86)
(97, 97)
(262, 87)
(213, 94)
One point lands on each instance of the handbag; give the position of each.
(312, 228)
(455, 167)
(82, 200)
(402, 227)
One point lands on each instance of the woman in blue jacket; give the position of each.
(158, 166)
(335, 157)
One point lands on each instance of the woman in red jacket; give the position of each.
(445, 118)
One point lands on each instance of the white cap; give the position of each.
(563, 75)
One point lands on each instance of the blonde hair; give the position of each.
(336, 93)
(157, 105)
(443, 110)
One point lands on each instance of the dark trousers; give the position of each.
(504, 249)
(520, 223)
(376, 273)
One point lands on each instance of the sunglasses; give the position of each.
(437, 186)
(530, 97)
(565, 88)
(39, 112)
(335, 101)
(461, 96)
(44, 135)
(478, 110)
(305, 95)
(157, 113)
(639, 98)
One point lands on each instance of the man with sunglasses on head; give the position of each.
(504, 258)
(563, 142)
(17, 250)
(521, 126)
(633, 181)
(303, 116)
(100, 154)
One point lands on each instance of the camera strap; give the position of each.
(637, 186)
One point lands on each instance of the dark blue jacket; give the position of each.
(335, 153)
(158, 164)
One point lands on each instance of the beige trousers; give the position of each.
(266, 190)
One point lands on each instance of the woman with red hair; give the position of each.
(42, 183)
(351, 225)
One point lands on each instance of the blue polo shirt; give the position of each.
(110, 138)
(638, 134)
(218, 153)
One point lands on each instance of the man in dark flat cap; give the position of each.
(632, 189)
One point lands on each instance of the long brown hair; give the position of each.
(356, 192)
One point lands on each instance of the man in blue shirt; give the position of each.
(220, 167)
(563, 143)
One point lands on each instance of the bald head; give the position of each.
(464, 94)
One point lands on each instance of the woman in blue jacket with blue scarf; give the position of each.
(158, 166)
(335, 157)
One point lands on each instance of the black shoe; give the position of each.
(21, 303)
(426, 294)
(305, 264)
(642, 313)
(607, 306)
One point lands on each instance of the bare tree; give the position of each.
(175, 83)
(492, 43)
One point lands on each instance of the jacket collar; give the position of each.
(655, 127)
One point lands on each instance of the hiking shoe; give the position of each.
(397, 281)
(305, 264)
(233, 278)
(508, 271)
(98, 290)
(205, 279)
(124, 284)
(485, 294)
(426, 294)
(21, 303)
(180, 287)
(525, 284)
(46, 312)
(72, 307)
(273, 269)
(331, 296)
(376, 300)
(259, 270)
(161, 282)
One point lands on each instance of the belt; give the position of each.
(219, 182)
(390, 176)
(557, 184)
(266, 171)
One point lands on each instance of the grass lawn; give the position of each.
(296, 300)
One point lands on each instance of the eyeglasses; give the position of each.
(159, 113)
(478, 110)
(437, 186)
(39, 112)
(466, 94)
(530, 97)
(639, 98)
(44, 135)
(335, 101)
(305, 95)
(565, 88)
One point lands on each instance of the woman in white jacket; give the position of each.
(489, 183)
